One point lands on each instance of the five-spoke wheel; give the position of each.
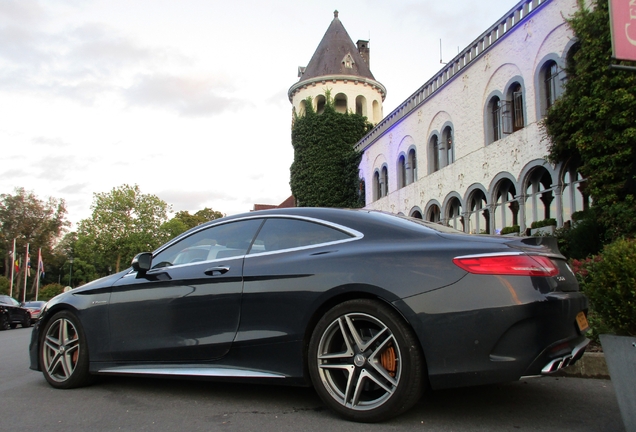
(63, 352)
(365, 361)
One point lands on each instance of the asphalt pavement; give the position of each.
(28, 403)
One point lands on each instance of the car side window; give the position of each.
(280, 233)
(219, 241)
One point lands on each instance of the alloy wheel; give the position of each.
(359, 361)
(61, 350)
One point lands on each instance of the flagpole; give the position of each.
(26, 269)
(40, 267)
(13, 260)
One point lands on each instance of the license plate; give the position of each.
(581, 321)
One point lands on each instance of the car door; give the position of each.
(187, 307)
(291, 263)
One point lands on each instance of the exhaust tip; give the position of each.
(567, 360)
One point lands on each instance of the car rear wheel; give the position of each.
(64, 353)
(4, 322)
(365, 362)
(26, 322)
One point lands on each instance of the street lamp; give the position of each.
(70, 273)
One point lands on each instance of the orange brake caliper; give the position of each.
(389, 361)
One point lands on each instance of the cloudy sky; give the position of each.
(188, 98)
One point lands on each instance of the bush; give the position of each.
(609, 281)
(582, 237)
(49, 291)
(510, 230)
(543, 223)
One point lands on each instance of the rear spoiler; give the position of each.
(545, 245)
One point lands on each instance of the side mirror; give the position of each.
(142, 262)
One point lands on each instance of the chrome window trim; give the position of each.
(355, 235)
(351, 231)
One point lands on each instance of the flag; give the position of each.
(16, 263)
(28, 262)
(40, 264)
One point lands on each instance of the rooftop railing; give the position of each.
(474, 51)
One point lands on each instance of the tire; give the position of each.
(26, 322)
(4, 322)
(365, 361)
(64, 353)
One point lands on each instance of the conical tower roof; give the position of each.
(336, 55)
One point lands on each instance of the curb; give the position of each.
(591, 365)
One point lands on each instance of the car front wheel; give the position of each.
(64, 353)
(365, 362)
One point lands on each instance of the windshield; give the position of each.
(9, 300)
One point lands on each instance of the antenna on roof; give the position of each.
(440, 52)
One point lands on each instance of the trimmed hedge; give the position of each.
(609, 281)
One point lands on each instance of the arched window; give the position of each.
(377, 187)
(433, 153)
(301, 108)
(540, 203)
(551, 80)
(574, 199)
(433, 214)
(478, 215)
(361, 106)
(340, 103)
(377, 112)
(506, 206)
(455, 218)
(516, 107)
(320, 104)
(416, 214)
(495, 120)
(384, 181)
(402, 177)
(411, 167)
(447, 151)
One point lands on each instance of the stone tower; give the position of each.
(342, 67)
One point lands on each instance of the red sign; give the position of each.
(623, 28)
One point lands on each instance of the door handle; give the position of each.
(217, 270)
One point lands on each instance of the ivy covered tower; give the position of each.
(342, 67)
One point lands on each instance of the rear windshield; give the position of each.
(409, 221)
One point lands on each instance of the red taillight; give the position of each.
(514, 265)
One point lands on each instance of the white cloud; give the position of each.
(187, 96)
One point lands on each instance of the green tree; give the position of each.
(593, 123)
(49, 291)
(123, 223)
(172, 228)
(4, 285)
(28, 219)
(325, 168)
(183, 221)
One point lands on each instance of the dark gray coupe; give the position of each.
(370, 308)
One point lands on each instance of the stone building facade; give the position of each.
(467, 148)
